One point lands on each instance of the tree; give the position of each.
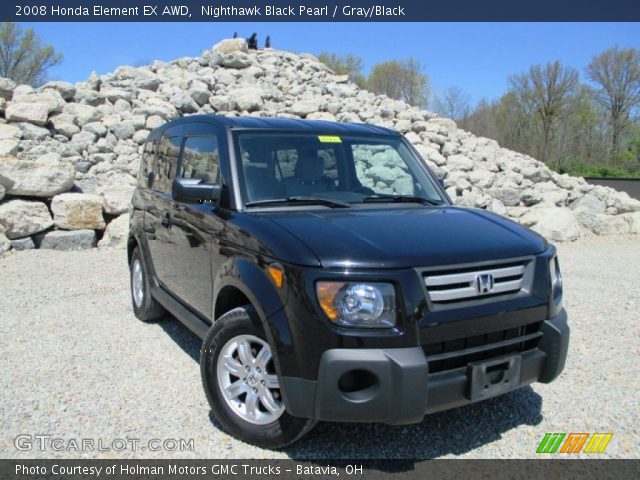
(400, 79)
(345, 65)
(617, 72)
(547, 90)
(23, 57)
(453, 103)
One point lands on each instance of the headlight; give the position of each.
(351, 304)
(556, 280)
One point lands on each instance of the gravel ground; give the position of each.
(77, 364)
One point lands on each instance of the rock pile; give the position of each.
(69, 154)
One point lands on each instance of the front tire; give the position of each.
(145, 307)
(241, 384)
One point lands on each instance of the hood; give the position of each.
(408, 236)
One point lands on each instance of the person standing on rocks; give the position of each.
(267, 42)
(252, 43)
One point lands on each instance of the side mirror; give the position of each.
(194, 190)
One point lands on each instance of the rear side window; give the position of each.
(200, 158)
(168, 151)
(146, 165)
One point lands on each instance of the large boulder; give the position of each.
(117, 198)
(247, 99)
(116, 233)
(68, 240)
(36, 113)
(22, 218)
(10, 132)
(231, 45)
(51, 98)
(35, 179)
(555, 224)
(77, 211)
(65, 89)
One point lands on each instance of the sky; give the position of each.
(475, 57)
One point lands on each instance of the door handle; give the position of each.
(166, 220)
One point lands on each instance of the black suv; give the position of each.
(332, 279)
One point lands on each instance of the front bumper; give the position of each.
(394, 385)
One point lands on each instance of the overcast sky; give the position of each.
(476, 57)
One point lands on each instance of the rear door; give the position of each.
(158, 215)
(191, 250)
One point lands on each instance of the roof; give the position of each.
(289, 124)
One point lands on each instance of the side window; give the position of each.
(146, 165)
(381, 168)
(168, 151)
(200, 159)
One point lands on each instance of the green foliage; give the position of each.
(345, 65)
(23, 56)
(400, 79)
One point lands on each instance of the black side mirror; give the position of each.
(193, 190)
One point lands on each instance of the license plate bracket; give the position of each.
(493, 377)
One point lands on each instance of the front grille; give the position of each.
(464, 283)
(457, 353)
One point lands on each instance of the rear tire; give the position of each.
(145, 307)
(241, 383)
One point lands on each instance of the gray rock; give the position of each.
(77, 211)
(184, 103)
(81, 114)
(8, 147)
(33, 132)
(89, 97)
(25, 243)
(3, 191)
(459, 162)
(589, 202)
(36, 113)
(117, 198)
(507, 194)
(10, 132)
(5, 243)
(21, 218)
(97, 128)
(81, 140)
(64, 124)
(231, 45)
(117, 233)
(555, 224)
(123, 130)
(496, 206)
(248, 99)
(51, 98)
(305, 107)
(154, 121)
(7, 86)
(65, 89)
(147, 82)
(237, 60)
(35, 179)
(63, 240)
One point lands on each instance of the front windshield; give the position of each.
(347, 169)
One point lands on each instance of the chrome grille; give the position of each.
(471, 283)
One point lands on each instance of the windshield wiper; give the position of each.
(399, 199)
(298, 199)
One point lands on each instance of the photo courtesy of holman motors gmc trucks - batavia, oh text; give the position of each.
(324, 294)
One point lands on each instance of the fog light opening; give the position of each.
(358, 385)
